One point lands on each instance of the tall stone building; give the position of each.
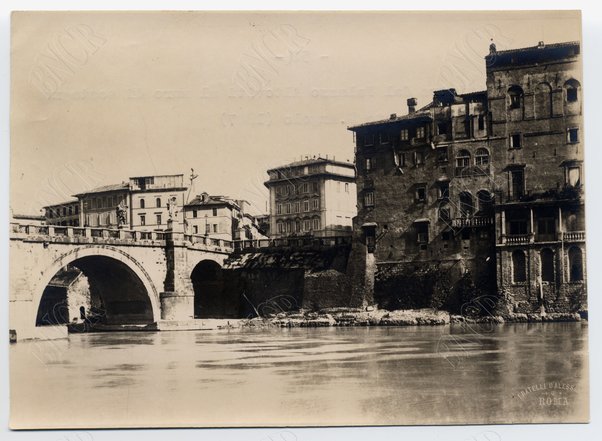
(477, 193)
(312, 197)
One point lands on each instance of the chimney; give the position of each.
(412, 105)
(541, 45)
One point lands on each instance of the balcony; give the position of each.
(573, 236)
(470, 222)
(518, 239)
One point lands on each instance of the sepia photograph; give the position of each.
(297, 219)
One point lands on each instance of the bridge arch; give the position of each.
(113, 274)
(208, 282)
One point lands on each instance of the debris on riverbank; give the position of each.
(377, 317)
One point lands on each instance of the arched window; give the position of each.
(463, 159)
(158, 202)
(481, 157)
(546, 257)
(142, 203)
(515, 97)
(519, 267)
(575, 264)
(485, 201)
(571, 88)
(466, 204)
(543, 100)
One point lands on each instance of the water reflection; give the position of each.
(413, 375)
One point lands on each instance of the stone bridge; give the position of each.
(161, 279)
(140, 277)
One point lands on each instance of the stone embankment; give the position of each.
(376, 317)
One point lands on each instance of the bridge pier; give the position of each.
(177, 301)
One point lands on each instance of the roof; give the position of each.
(309, 161)
(62, 204)
(212, 201)
(420, 115)
(105, 189)
(533, 54)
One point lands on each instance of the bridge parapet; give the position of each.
(64, 234)
(242, 246)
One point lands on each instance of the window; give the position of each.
(519, 267)
(443, 190)
(369, 199)
(575, 264)
(158, 202)
(572, 135)
(572, 91)
(420, 132)
(546, 258)
(420, 193)
(305, 187)
(574, 176)
(546, 228)
(306, 225)
(316, 224)
(444, 212)
(315, 187)
(215, 228)
(481, 157)
(515, 141)
(481, 122)
(316, 204)
(77, 209)
(517, 227)
(306, 206)
(70, 210)
(466, 204)
(518, 183)
(422, 233)
(346, 187)
(195, 229)
(297, 225)
(404, 135)
(195, 213)
(368, 164)
(280, 227)
(278, 208)
(338, 187)
(399, 159)
(214, 212)
(142, 219)
(158, 219)
(297, 207)
(515, 95)
(463, 159)
(442, 128)
(418, 158)
(485, 201)
(288, 208)
(442, 154)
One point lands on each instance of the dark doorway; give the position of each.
(209, 297)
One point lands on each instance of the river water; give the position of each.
(324, 376)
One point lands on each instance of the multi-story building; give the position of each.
(536, 106)
(143, 203)
(484, 183)
(64, 214)
(219, 217)
(312, 197)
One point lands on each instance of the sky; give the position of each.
(99, 97)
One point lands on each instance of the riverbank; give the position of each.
(412, 317)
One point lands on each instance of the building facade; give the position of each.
(64, 214)
(219, 217)
(312, 197)
(481, 190)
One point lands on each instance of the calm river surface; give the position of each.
(324, 376)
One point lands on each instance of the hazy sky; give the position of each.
(99, 97)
